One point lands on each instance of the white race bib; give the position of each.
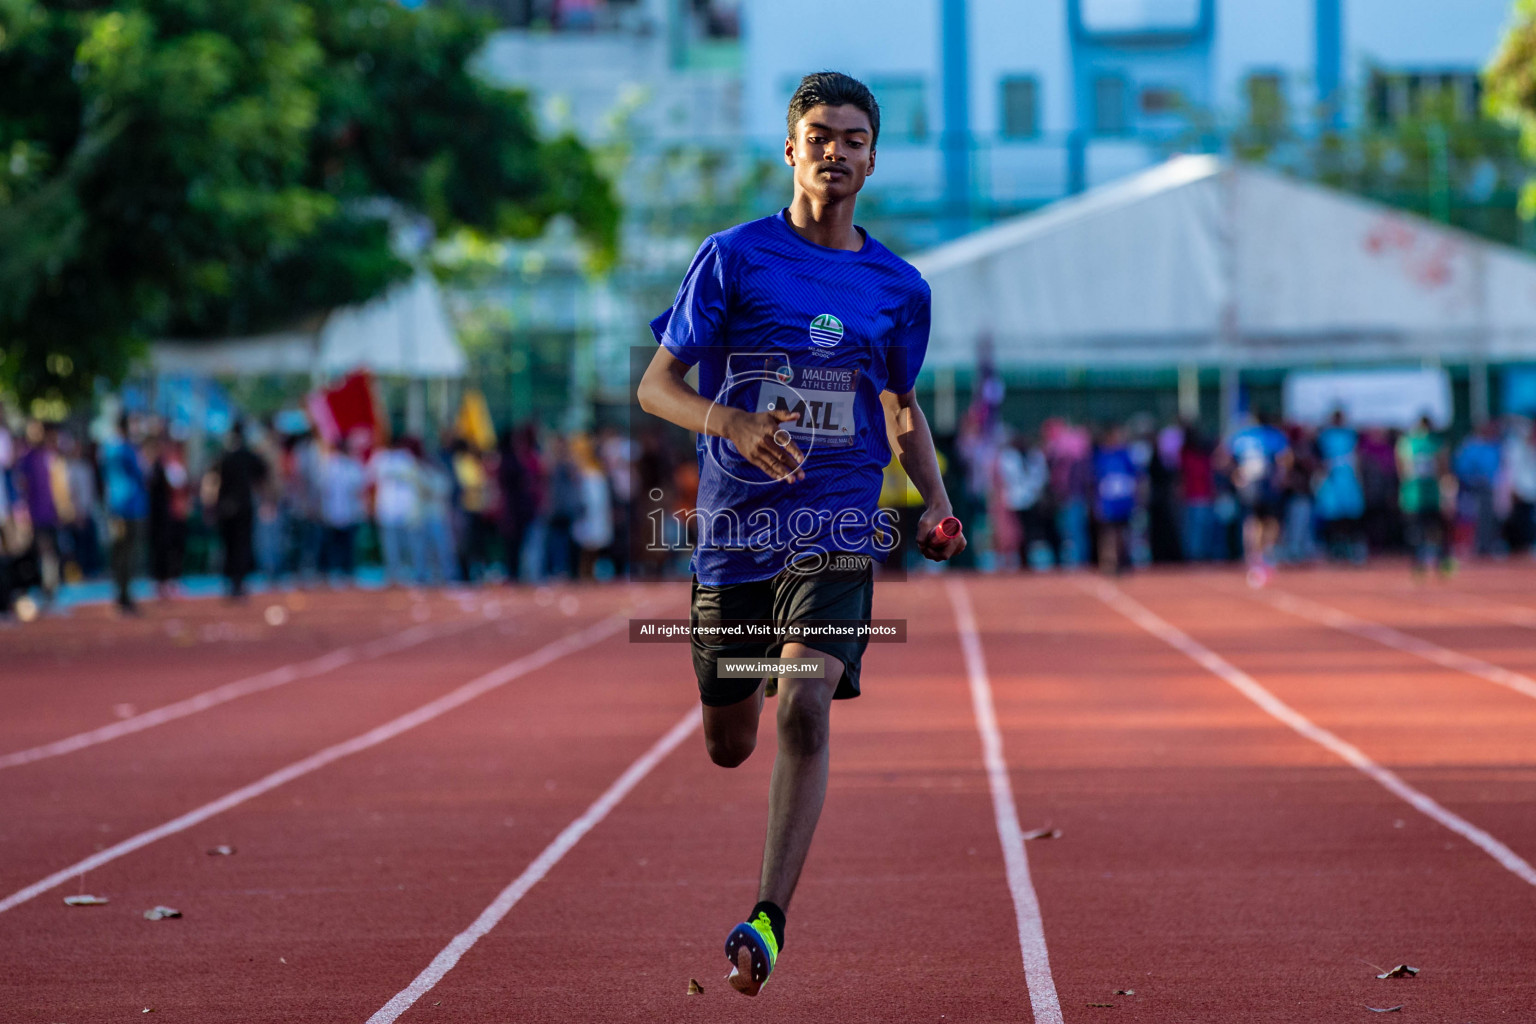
(824, 398)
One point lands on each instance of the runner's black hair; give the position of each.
(834, 89)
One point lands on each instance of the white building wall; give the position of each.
(786, 39)
(1011, 38)
(590, 83)
(1428, 34)
(1263, 38)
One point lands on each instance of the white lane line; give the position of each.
(1026, 906)
(231, 691)
(508, 898)
(1354, 756)
(476, 687)
(1500, 611)
(1388, 637)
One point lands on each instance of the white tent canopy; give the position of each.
(403, 333)
(1203, 262)
(290, 352)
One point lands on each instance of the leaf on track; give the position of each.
(85, 901)
(694, 988)
(161, 913)
(1400, 971)
(1042, 833)
(222, 851)
(1385, 1009)
(1123, 992)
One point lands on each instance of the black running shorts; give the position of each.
(1260, 499)
(842, 589)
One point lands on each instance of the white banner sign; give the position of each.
(1370, 398)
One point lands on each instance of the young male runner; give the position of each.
(808, 335)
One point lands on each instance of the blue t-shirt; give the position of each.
(1255, 450)
(1115, 472)
(1477, 463)
(127, 493)
(1338, 495)
(776, 322)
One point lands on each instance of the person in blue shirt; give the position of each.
(1476, 466)
(1339, 497)
(1260, 457)
(808, 335)
(1117, 480)
(127, 494)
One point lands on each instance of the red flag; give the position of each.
(350, 406)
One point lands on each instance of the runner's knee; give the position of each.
(728, 751)
(804, 710)
(730, 733)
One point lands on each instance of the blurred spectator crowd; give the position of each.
(1137, 493)
(295, 510)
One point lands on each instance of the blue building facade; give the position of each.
(1012, 104)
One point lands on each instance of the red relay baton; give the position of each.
(948, 529)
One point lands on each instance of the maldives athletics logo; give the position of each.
(826, 330)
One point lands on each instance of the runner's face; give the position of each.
(831, 152)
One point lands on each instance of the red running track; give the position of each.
(1213, 859)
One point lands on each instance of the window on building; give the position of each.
(1020, 107)
(1110, 116)
(511, 13)
(1160, 100)
(1122, 16)
(718, 19)
(1394, 96)
(560, 15)
(903, 108)
(1265, 95)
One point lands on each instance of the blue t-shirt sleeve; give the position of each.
(904, 356)
(696, 321)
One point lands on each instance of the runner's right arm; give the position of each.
(663, 392)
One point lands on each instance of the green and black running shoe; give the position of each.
(751, 949)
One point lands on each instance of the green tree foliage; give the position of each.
(1510, 88)
(201, 167)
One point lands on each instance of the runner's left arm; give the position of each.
(911, 440)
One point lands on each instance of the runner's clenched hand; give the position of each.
(934, 547)
(758, 437)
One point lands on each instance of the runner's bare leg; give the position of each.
(730, 732)
(799, 784)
